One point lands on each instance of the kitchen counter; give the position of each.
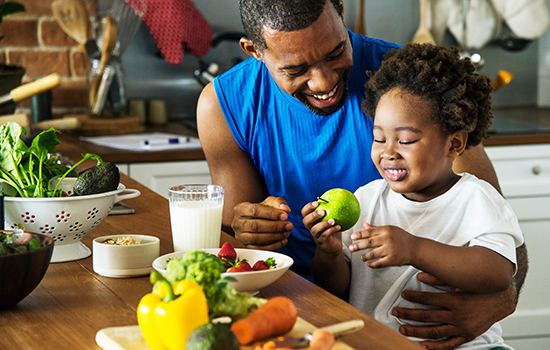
(511, 126)
(72, 303)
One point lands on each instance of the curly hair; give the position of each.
(280, 15)
(460, 97)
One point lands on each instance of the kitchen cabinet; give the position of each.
(524, 176)
(159, 176)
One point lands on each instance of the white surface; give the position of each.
(249, 282)
(528, 192)
(135, 142)
(122, 261)
(70, 252)
(65, 219)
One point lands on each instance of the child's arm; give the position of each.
(473, 269)
(329, 268)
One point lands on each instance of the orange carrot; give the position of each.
(321, 340)
(273, 318)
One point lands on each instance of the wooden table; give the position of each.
(72, 303)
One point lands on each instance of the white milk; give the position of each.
(196, 225)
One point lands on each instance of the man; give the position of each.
(286, 125)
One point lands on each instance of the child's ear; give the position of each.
(457, 143)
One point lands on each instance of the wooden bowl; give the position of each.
(21, 273)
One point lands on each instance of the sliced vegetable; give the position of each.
(274, 318)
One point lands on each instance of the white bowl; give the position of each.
(65, 219)
(122, 261)
(249, 282)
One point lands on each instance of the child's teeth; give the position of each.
(326, 96)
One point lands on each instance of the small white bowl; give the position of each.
(250, 282)
(125, 260)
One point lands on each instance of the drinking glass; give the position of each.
(196, 216)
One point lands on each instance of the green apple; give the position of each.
(341, 205)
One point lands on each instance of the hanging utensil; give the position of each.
(423, 34)
(110, 35)
(128, 20)
(30, 89)
(72, 17)
(360, 23)
(475, 58)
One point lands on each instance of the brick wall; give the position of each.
(34, 40)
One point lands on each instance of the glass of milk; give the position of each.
(196, 216)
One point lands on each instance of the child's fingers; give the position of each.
(312, 218)
(308, 208)
(322, 227)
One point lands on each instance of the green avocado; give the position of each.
(212, 336)
(98, 179)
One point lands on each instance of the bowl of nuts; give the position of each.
(124, 255)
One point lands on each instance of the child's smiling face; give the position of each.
(409, 148)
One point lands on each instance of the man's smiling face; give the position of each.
(312, 64)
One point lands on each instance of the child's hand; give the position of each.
(327, 236)
(391, 245)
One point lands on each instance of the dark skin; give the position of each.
(260, 221)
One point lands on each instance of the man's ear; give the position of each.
(458, 143)
(249, 48)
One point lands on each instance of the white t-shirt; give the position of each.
(471, 213)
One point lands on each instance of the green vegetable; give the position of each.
(212, 336)
(206, 270)
(29, 171)
(98, 179)
(7, 244)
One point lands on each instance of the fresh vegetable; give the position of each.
(274, 318)
(29, 171)
(206, 270)
(8, 246)
(103, 177)
(212, 336)
(169, 314)
(321, 340)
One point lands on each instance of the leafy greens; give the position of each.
(30, 170)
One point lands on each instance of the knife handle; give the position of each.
(28, 90)
(344, 328)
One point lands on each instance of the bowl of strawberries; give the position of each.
(253, 269)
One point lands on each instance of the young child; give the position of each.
(428, 106)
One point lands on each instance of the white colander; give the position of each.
(65, 219)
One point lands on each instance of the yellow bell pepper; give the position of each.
(169, 314)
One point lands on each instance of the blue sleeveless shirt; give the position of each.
(301, 155)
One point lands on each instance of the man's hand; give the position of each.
(262, 225)
(464, 316)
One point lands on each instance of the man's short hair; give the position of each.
(280, 15)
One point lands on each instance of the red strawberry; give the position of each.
(227, 252)
(241, 266)
(264, 265)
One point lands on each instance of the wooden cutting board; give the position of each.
(130, 338)
(103, 126)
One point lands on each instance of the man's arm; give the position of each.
(233, 169)
(475, 161)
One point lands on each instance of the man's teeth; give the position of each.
(327, 96)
